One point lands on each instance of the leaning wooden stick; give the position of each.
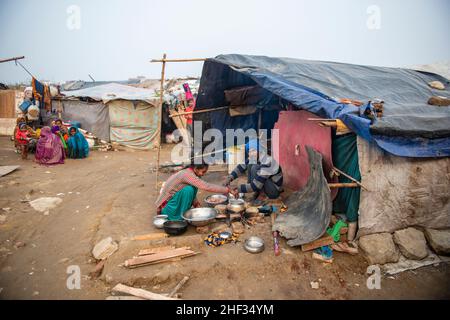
(350, 177)
(178, 287)
(198, 111)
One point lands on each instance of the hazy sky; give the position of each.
(114, 40)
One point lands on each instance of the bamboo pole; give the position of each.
(161, 99)
(12, 59)
(198, 111)
(177, 60)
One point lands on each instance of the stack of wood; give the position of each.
(158, 255)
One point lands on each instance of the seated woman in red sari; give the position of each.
(179, 192)
(49, 149)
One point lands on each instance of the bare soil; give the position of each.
(112, 194)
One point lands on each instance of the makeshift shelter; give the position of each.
(402, 156)
(115, 112)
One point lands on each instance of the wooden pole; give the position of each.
(161, 100)
(350, 177)
(198, 111)
(343, 185)
(12, 59)
(177, 60)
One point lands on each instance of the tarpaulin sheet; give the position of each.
(133, 124)
(92, 116)
(409, 126)
(113, 91)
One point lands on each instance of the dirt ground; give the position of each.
(112, 194)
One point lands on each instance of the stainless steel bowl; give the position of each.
(254, 245)
(158, 221)
(215, 199)
(225, 235)
(200, 216)
(236, 205)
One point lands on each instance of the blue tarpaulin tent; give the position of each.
(409, 126)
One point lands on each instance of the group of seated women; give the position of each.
(51, 145)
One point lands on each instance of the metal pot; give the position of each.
(158, 221)
(216, 199)
(175, 227)
(236, 205)
(254, 245)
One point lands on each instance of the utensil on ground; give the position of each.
(236, 205)
(254, 245)
(221, 208)
(225, 235)
(158, 221)
(200, 216)
(175, 227)
(216, 199)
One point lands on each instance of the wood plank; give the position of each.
(144, 252)
(4, 170)
(151, 236)
(162, 261)
(323, 241)
(141, 293)
(168, 254)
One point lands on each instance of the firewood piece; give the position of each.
(141, 293)
(323, 241)
(178, 286)
(151, 236)
(158, 257)
(148, 251)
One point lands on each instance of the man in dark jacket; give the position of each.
(263, 173)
